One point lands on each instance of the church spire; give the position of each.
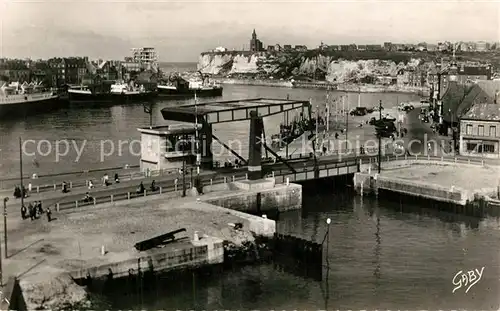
(453, 66)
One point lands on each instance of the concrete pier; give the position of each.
(456, 183)
(98, 241)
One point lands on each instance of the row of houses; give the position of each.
(470, 110)
(73, 70)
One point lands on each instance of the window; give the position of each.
(471, 146)
(480, 130)
(493, 131)
(468, 129)
(488, 148)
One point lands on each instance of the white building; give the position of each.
(147, 56)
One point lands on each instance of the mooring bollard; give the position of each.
(57, 207)
(128, 196)
(111, 198)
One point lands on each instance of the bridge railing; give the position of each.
(168, 188)
(85, 183)
(389, 158)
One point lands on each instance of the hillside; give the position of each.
(333, 66)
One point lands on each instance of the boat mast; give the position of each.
(198, 156)
(21, 169)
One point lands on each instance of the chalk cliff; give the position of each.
(299, 65)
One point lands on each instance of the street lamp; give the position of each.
(379, 137)
(5, 223)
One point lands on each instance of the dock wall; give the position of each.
(203, 252)
(258, 200)
(367, 183)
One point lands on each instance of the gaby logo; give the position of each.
(467, 279)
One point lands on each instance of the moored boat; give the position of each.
(131, 91)
(177, 87)
(24, 99)
(100, 92)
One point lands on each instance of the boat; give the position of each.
(131, 91)
(177, 87)
(18, 99)
(100, 92)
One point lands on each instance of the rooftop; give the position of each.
(486, 111)
(230, 111)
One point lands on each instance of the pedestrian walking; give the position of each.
(49, 214)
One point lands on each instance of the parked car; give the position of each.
(359, 111)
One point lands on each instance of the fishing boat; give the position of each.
(131, 91)
(99, 92)
(176, 87)
(18, 99)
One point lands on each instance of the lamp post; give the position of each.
(5, 224)
(379, 137)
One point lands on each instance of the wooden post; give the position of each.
(76, 203)
(160, 190)
(211, 181)
(37, 189)
(128, 196)
(57, 207)
(111, 198)
(95, 201)
(233, 178)
(145, 192)
(225, 179)
(55, 187)
(70, 185)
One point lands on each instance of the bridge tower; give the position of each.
(255, 146)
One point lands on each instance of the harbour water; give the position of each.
(382, 255)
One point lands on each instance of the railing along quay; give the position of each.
(147, 192)
(174, 187)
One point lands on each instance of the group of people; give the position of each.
(18, 193)
(141, 188)
(34, 211)
(105, 181)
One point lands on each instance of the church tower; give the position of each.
(453, 74)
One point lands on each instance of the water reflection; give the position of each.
(412, 269)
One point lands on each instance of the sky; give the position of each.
(181, 30)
